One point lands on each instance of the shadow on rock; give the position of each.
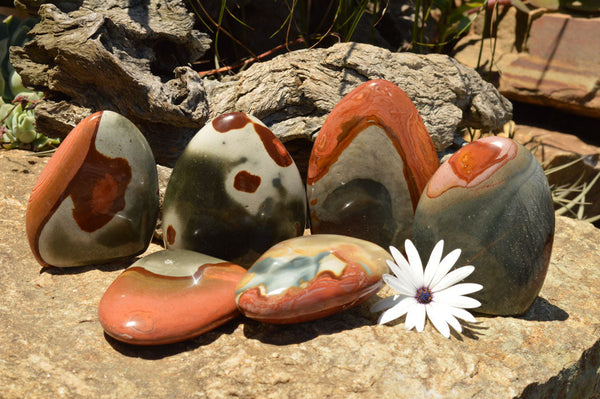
(155, 352)
(107, 267)
(287, 334)
(542, 310)
(469, 330)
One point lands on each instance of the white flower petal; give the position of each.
(438, 319)
(457, 301)
(445, 266)
(398, 285)
(451, 320)
(406, 275)
(415, 317)
(386, 303)
(414, 259)
(448, 299)
(397, 311)
(462, 314)
(399, 258)
(461, 289)
(449, 313)
(452, 278)
(397, 270)
(433, 263)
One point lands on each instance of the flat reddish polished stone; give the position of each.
(491, 199)
(369, 165)
(170, 296)
(97, 198)
(234, 192)
(310, 277)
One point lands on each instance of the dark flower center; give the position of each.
(424, 295)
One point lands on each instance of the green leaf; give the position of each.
(357, 15)
(232, 15)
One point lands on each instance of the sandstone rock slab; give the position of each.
(553, 144)
(561, 67)
(52, 344)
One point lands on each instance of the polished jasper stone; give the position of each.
(234, 192)
(170, 296)
(491, 199)
(369, 165)
(309, 277)
(97, 198)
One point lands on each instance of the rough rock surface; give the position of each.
(293, 93)
(121, 56)
(52, 345)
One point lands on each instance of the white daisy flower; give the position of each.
(431, 293)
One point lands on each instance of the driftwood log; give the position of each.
(134, 59)
(294, 93)
(129, 57)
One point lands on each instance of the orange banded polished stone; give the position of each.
(491, 199)
(369, 165)
(97, 198)
(310, 277)
(170, 296)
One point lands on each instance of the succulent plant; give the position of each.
(17, 120)
(17, 128)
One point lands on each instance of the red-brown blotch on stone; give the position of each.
(96, 200)
(234, 192)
